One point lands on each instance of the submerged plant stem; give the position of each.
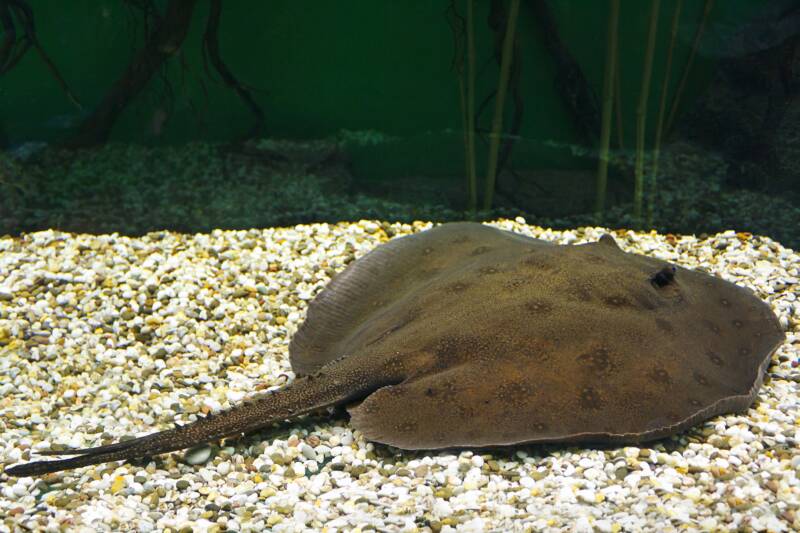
(673, 111)
(471, 171)
(651, 199)
(608, 108)
(502, 88)
(641, 112)
(618, 103)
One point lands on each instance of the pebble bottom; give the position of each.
(104, 336)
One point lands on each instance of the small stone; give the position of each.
(198, 455)
(224, 468)
(299, 469)
(118, 484)
(278, 458)
(308, 452)
(444, 493)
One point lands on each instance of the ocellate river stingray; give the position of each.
(469, 336)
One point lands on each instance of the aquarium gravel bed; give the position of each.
(105, 336)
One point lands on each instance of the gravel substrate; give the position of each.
(107, 336)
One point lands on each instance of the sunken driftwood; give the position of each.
(469, 336)
(13, 47)
(162, 43)
(579, 97)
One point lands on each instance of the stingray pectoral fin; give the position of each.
(336, 383)
(454, 407)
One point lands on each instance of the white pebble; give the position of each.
(198, 455)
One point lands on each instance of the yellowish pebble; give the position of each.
(118, 484)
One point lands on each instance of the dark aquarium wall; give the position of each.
(129, 116)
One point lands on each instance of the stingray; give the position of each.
(467, 336)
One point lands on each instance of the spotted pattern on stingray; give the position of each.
(449, 386)
(456, 287)
(659, 375)
(427, 273)
(712, 326)
(598, 360)
(714, 357)
(616, 300)
(700, 378)
(516, 394)
(407, 427)
(515, 283)
(453, 350)
(645, 301)
(664, 325)
(580, 291)
(466, 412)
(594, 259)
(538, 262)
(480, 250)
(538, 306)
(590, 399)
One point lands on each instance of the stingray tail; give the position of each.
(335, 384)
(240, 419)
(39, 468)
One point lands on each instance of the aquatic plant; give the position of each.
(641, 111)
(466, 91)
(618, 104)
(698, 35)
(676, 15)
(502, 87)
(608, 104)
(471, 169)
(497, 22)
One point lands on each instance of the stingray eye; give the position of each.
(663, 277)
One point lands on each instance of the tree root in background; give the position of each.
(164, 38)
(163, 42)
(211, 54)
(464, 60)
(15, 13)
(571, 84)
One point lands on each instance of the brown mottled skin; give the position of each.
(469, 336)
